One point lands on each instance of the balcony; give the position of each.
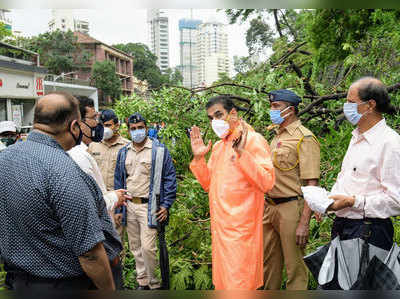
(67, 78)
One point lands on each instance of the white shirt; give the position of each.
(89, 165)
(371, 172)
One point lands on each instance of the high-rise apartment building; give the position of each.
(212, 52)
(64, 20)
(3, 19)
(188, 31)
(159, 37)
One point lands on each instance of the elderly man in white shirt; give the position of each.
(367, 191)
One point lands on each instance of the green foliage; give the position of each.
(173, 77)
(144, 63)
(4, 31)
(188, 233)
(337, 47)
(259, 36)
(59, 51)
(105, 78)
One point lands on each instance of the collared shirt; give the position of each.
(286, 155)
(370, 172)
(51, 211)
(106, 155)
(138, 168)
(88, 164)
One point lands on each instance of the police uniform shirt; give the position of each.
(292, 167)
(106, 155)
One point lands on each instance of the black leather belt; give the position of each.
(277, 201)
(139, 200)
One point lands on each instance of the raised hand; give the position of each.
(199, 149)
(240, 143)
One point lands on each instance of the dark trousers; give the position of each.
(25, 282)
(18, 280)
(381, 230)
(116, 270)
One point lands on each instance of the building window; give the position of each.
(3, 110)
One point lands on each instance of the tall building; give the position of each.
(3, 19)
(212, 52)
(64, 20)
(159, 37)
(188, 31)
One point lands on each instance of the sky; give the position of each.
(114, 26)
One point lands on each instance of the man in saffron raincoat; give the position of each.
(236, 177)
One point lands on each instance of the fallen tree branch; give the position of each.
(287, 54)
(199, 220)
(277, 24)
(186, 236)
(320, 100)
(307, 85)
(200, 89)
(337, 96)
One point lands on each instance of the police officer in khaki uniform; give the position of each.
(106, 151)
(136, 170)
(296, 157)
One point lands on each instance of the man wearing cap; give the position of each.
(135, 171)
(8, 134)
(296, 158)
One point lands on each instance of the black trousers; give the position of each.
(20, 281)
(381, 230)
(25, 282)
(117, 275)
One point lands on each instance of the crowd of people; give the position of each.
(72, 191)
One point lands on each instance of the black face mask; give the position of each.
(7, 141)
(97, 132)
(79, 139)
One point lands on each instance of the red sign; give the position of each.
(39, 86)
(1, 83)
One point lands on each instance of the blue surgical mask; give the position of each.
(351, 112)
(138, 135)
(276, 116)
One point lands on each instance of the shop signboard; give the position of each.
(17, 85)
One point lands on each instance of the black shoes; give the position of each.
(142, 288)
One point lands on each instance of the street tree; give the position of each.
(59, 51)
(105, 79)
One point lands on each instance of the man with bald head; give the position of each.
(55, 229)
(367, 191)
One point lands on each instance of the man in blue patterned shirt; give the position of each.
(55, 230)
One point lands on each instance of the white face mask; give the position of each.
(220, 127)
(108, 133)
